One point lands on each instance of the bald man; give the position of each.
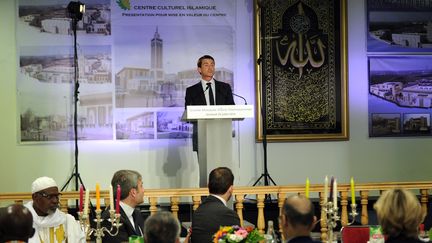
(16, 223)
(298, 219)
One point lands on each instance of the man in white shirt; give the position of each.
(132, 194)
(50, 224)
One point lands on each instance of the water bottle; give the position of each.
(271, 236)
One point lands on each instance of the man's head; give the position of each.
(221, 182)
(161, 227)
(297, 217)
(45, 196)
(206, 67)
(130, 181)
(16, 223)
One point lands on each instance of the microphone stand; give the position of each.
(266, 176)
(76, 173)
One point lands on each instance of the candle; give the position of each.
(325, 189)
(118, 199)
(307, 187)
(111, 198)
(331, 189)
(86, 201)
(81, 197)
(335, 192)
(97, 196)
(352, 192)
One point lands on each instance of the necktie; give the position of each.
(211, 97)
(135, 216)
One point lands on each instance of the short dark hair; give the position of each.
(16, 223)
(127, 179)
(161, 227)
(199, 62)
(297, 218)
(220, 180)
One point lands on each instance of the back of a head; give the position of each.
(126, 179)
(161, 227)
(16, 223)
(399, 212)
(299, 211)
(220, 180)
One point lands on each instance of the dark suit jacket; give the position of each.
(402, 239)
(208, 217)
(195, 96)
(302, 239)
(125, 230)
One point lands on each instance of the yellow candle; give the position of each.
(307, 187)
(352, 191)
(111, 198)
(86, 201)
(325, 189)
(97, 196)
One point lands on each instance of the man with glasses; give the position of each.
(132, 194)
(50, 224)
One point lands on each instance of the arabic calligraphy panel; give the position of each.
(302, 69)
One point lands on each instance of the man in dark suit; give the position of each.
(132, 194)
(213, 212)
(297, 219)
(208, 91)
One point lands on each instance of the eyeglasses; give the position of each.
(50, 196)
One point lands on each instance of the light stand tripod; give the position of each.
(75, 10)
(266, 176)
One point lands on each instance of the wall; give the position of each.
(368, 160)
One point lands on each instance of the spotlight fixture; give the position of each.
(76, 10)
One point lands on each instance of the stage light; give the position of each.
(76, 10)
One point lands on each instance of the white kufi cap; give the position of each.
(42, 183)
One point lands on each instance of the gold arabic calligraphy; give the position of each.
(295, 53)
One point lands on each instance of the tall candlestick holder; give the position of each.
(333, 217)
(99, 231)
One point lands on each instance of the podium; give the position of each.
(215, 134)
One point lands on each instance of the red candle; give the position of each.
(118, 199)
(81, 198)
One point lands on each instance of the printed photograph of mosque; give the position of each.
(45, 93)
(49, 16)
(134, 124)
(405, 81)
(399, 30)
(155, 65)
(384, 124)
(418, 124)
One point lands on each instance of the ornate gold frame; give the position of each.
(340, 83)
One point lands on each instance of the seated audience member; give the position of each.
(399, 214)
(51, 225)
(132, 194)
(162, 227)
(16, 223)
(297, 219)
(213, 212)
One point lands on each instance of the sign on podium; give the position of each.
(215, 134)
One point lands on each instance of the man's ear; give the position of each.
(231, 189)
(314, 222)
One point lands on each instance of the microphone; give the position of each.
(245, 102)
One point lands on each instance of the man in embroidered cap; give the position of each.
(51, 224)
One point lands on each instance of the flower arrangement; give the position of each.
(233, 234)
